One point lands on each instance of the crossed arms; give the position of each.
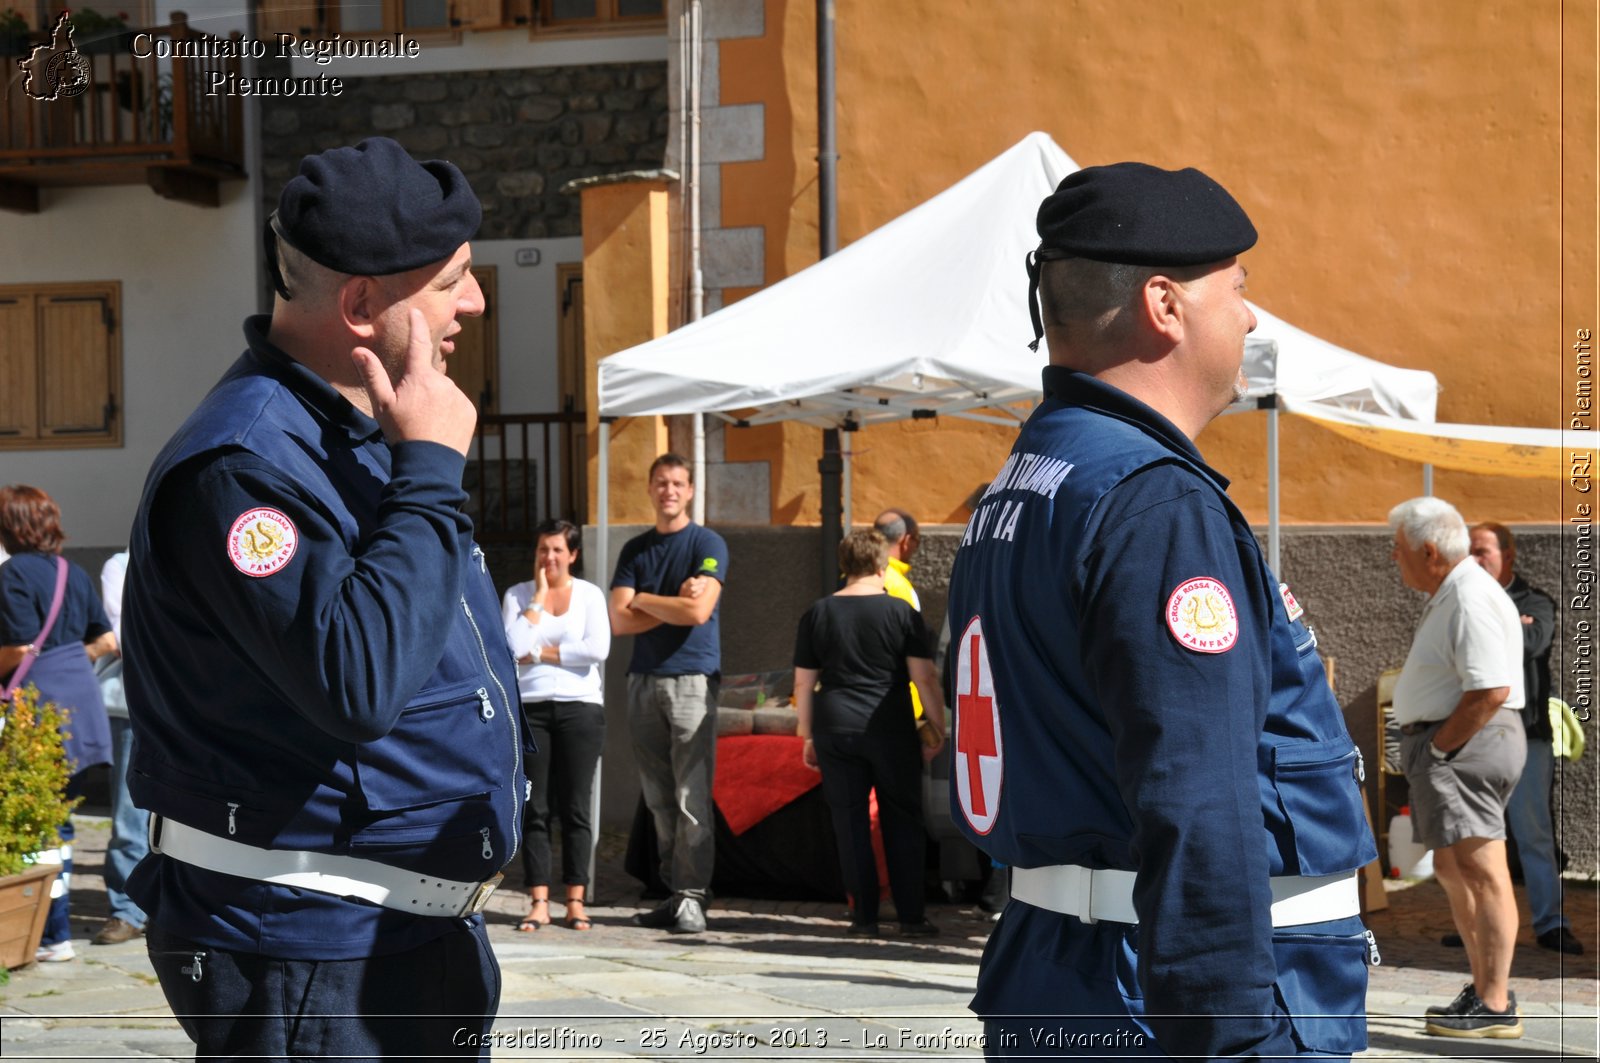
(633, 612)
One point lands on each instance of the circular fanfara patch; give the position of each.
(261, 542)
(1201, 616)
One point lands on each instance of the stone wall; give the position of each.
(518, 135)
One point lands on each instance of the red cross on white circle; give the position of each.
(979, 759)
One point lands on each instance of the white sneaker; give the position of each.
(60, 952)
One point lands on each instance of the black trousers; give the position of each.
(561, 776)
(436, 1001)
(852, 766)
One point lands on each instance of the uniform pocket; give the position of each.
(1322, 986)
(448, 746)
(1317, 788)
(463, 841)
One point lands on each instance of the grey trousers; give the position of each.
(673, 720)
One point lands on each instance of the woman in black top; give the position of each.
(866, 648)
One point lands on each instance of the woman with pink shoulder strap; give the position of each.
(52, 626)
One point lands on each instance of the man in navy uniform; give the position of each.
(326, 726)
(1144, 731)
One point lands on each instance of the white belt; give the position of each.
(1093, 895)
(342, 876)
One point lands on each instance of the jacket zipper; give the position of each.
(511, 720)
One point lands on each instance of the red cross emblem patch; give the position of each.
(978, 760)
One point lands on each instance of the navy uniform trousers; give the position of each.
(247, 1006)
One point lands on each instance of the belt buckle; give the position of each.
(480, 896)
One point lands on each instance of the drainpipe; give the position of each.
(835, 463)
(827, 141)
(697, 290)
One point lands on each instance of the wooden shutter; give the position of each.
(478, 14)
(19, 381)
(302, 18)
(76, 365)
(60, 366)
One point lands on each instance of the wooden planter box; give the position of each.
(24, 906)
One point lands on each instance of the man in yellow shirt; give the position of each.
(900, 528)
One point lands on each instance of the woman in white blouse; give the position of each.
(560, 634)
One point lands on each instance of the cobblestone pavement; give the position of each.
(772, 980)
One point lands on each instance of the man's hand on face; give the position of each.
(424, 403)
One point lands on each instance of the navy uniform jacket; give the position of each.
(315, 662)
(1148, 699)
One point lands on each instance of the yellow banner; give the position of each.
(1424, 445)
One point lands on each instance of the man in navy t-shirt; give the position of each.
(665, 594)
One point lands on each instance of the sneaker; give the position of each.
(862, 930)
(1560, 939)
(691, 917)
(116, 931)
(1479, 1020)
(60, 952)
(920, 929)
(661, 916)
(1461, 1003)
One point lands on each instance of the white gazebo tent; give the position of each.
(927, 317)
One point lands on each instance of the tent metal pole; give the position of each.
(1274, 528)
(844, 477)
(594, 817)
(602, 522)
(697, 505)
(828, 469)
(1427, 479)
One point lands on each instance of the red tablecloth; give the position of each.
(757, 775)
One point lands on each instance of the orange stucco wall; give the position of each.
(1421, 172)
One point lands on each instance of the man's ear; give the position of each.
(359, 304)
(1158, 307)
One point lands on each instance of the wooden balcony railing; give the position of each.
(152, 114)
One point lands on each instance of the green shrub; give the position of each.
(33, 780)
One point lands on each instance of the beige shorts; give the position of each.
(1466, 796)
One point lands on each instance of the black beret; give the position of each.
(372, 210)
(1144, 216)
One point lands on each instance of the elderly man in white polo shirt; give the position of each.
(1457, 703)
